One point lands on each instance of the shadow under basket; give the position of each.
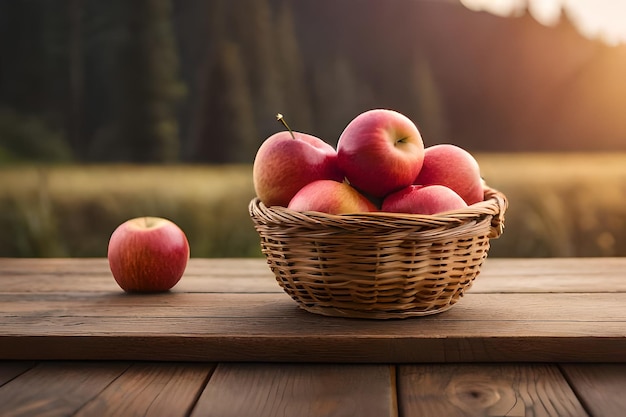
(378, 265)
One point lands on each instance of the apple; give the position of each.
(454, 167)
(287, 161)
(148, 254)
(418, 199)
(380, 151)
(332, 197)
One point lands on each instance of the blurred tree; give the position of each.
(207, 22)
(32, 81)
(23, 47)
(228, 132)
(150, 86)
(29, 138)
(428, 104)
(296, 96)
(199, 28)
(253, 28)
(104, 34)
(104, 77)
(254, 70)
(338, 95)
(76, 64)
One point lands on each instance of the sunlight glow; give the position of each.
(595, 19)
(497, 7)
(600, 18)
(547, 12)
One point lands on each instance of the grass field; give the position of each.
(560, 205)
(72, 210)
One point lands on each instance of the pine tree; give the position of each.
(295, 94)
(228, 133)
(76, 70)
(151, 88)
(253, 29)
(427, 103)
(196, 21)
(338, 95)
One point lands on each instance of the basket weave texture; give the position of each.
(378, 265)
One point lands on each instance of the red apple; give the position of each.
(453, 167)
(380, 151)
(285, 163)
(332, 197)
(148, 254)
(417, 199)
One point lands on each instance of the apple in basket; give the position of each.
(287, 161)
(148, 254)
(418, 199)
(380, 151)
(454, 167)
(330, 197)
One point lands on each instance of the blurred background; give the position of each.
(111, 110)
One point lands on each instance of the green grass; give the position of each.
(560, 205)
(72, 210)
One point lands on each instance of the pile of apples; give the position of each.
(380, 164)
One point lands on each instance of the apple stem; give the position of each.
(281, 119)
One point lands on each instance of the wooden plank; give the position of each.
(106, 283)
(482, 327)
(93, 275)
(253, 275)
(37, 314)
(599, 386)
(10, 370)
(100, 266)
(550, 307)
(56, 388)
(485, 390)
(565, 275)
(213, 321)
(241, 390)
(526, 267)
(256, 348)
(151, 389)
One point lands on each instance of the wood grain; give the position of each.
(212, 327)
(522, 308)
(10, 370)
(56, 388)
(485, 390)
(559, 275)
(228, 341)
(600, 387)
(72, 309)
(151, 389)
(253, 275)
(241, 390)
(94, 275)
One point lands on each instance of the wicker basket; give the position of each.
(378, 265)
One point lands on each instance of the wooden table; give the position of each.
(541, 337)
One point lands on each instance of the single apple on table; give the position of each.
(454, 167)
(418, 199)
(380, 151)
(332, 197)
(287, 161)
(148, 254)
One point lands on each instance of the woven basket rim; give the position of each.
(494, 205)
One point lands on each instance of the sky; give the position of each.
(595, 19)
